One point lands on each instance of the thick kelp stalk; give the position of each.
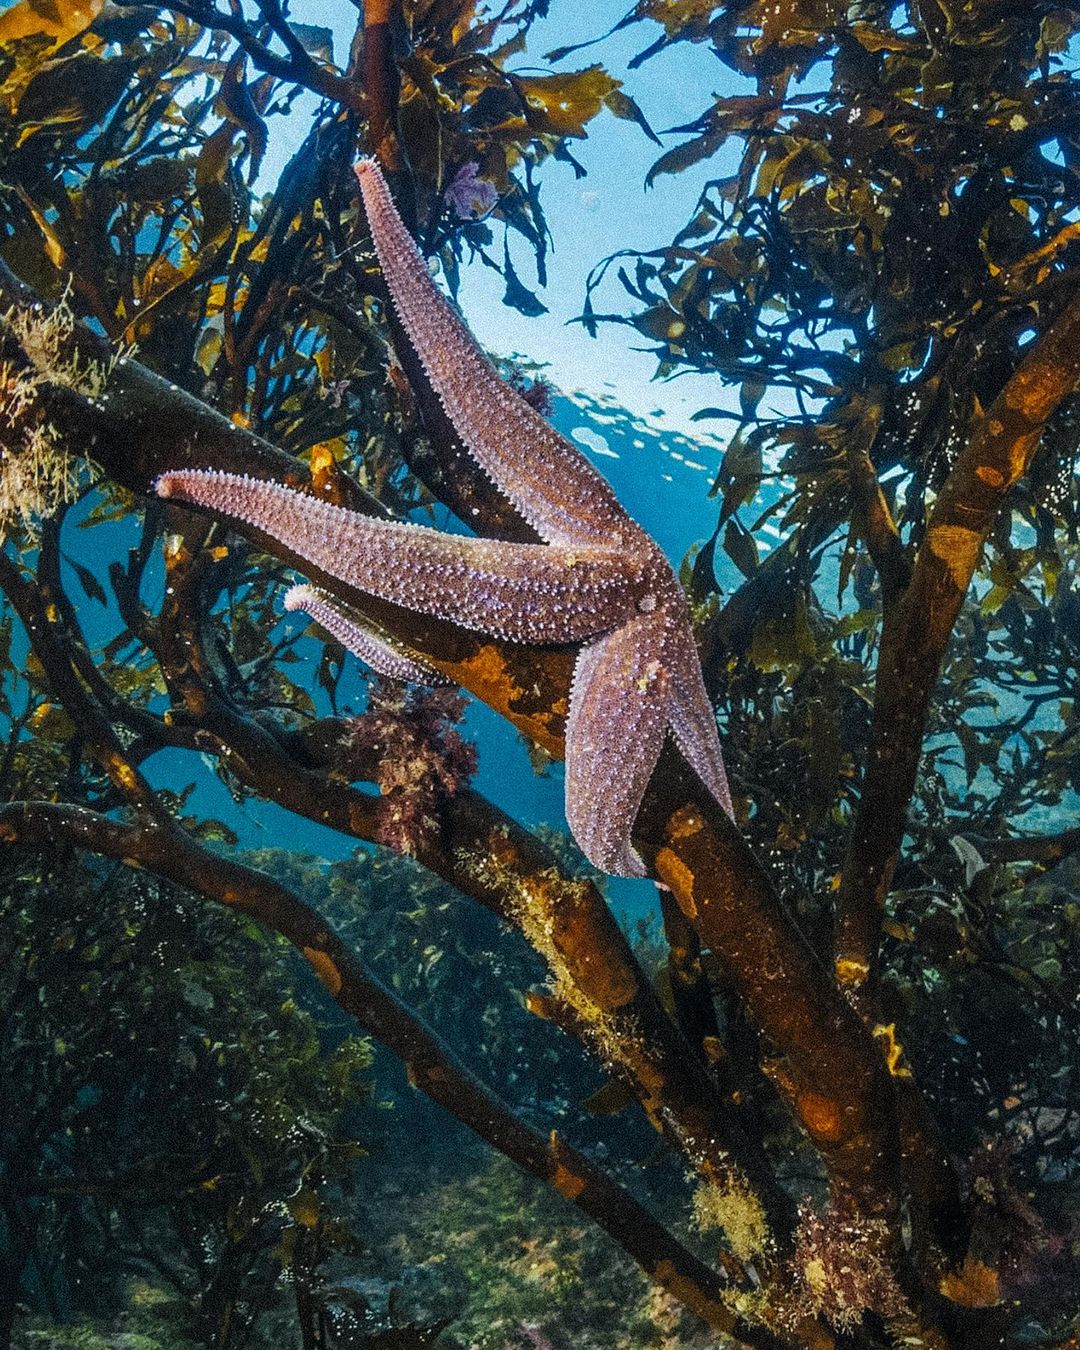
(894, 1240)
(920, 615)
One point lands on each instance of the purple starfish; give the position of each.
(598, 578)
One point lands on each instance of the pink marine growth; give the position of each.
(598, 579)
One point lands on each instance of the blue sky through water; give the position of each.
(589, 217)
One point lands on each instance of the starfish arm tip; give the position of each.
(630, 864)
(380, 654)
(193, 485)
(614, 857)
(298, 597)
(615, 731)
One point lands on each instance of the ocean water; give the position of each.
(138, 1021)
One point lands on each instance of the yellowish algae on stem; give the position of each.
(38, 473)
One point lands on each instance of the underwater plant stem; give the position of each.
(691, 996)
(878, 528)
(172, 855)
(382, 83)
(36, 606)
(835, 1081)
(441, 466)
(296, 68)
(917, 628)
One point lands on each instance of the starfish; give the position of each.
(597, 578)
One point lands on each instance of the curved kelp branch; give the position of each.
(874, 522)
(149, 731)
(35, 605)
(296, 67)
(1046, 849)
(382, 83)
(172, 855)
(917, 628)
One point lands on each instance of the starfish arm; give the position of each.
(382, 656)
(693, 722)
(615, 731)
(519, 592)
(548, 480)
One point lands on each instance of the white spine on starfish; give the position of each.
(517, 592)
(356, 637)
(512, 443)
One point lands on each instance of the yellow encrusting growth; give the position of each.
(487, 674)
(816, 1279)
(565, 1181)
(750, 1305)
(851, 972)
(534, 902)
(324, 968)
(737, 1212)
(988, 474)
(38, 474)
(820, 1115)
(685, 824)
(892, 1049)
(974, 1285)
(958, 548)
(123, 774)
(679, 877)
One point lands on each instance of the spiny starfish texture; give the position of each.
(358, 638)
(598, 578)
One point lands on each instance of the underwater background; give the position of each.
(318, 1028)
